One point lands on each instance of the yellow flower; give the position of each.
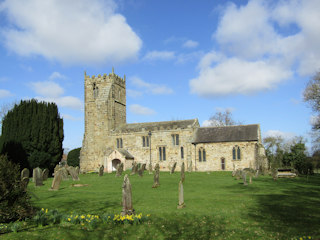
(46, 210)
(42, 209)
(148, 215)
(76, 217)
(82, 217)
(69, 219)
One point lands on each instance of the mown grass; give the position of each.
(217, 207)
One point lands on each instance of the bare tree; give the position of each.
(312, 96)
(4, 108)
(222, 118)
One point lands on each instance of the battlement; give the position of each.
(111, 78)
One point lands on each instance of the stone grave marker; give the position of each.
(64, 173)
(78, 170)
(119, 170)
(244, 176)
(127, 208)
(37, 177)
(73, 173)
(173, 168)
(182, 172)
(25, 173)
(45, 174)
(150, 168)
(56, 180)
(156, 182)
(181, 197)
(101, 169)
(24, 183)
(134, 168)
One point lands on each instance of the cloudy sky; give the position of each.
(182, 59)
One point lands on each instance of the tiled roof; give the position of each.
(125, 153)
(155, 126)
(227, 134)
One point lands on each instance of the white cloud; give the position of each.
(159, 55)
(83, 31)
(140, 110)
(57, 75)
(5, 93)
(69, 117)
(238, 76)
(190, 44)
(263, 44)
(64, 101)
(47, 88)
(151, 88)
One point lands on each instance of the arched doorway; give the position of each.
(223, 164)
(115, 163)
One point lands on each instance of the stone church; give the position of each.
(110, 140)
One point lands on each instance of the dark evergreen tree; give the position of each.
(73, 158)
(32, 134)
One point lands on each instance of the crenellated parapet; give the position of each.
(105, 78)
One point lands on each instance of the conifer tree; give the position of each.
(32, 134)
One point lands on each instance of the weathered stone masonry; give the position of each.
(109, 140)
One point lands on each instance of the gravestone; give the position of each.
(181, 198)
(127, 208)
(134, 168)
(150, 168)
(78, 170)
(143, 167)
(244, 176)
(25, 173)
(250, 173)
(45, 174)
(64, 173)
(24, 183)
(56, 180)
(56, 168)
(173, 168)
(182, 172)
(156, 176)
(101, 169)
(37, 177)
(73, 173)
(119, 170)
(238, 174)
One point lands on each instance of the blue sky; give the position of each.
(182, 59)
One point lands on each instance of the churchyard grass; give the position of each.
(217, 207)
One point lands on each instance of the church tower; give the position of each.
(105, 110)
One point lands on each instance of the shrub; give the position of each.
(14, 201)
(73, 158)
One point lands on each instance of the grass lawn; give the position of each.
(217, 207)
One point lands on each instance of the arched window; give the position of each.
(236, 153)
(95, 90)
(202, 155)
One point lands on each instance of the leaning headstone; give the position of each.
(34, 175)
(238, 174)
(173, 168)
(182, 172)
(134, 168)
(24, 183)
(25, 173)
(156, 176)
(56, 168)
(127, 208)
(45, 174)
(141, 170)
(119, 170)
(72, 171)
(56, 180)
(181, 198)
(150, 168)
(37, 176)
(101, 169)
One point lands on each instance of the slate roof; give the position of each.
(227, 134)
(155, 126)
